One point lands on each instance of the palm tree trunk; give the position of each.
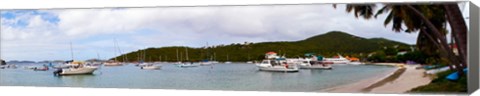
(442, 42)
(459, 30)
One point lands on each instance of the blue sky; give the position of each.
(46, 34)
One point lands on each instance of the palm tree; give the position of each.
(428, 19)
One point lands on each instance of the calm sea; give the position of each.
(235, 76)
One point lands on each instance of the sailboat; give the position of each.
(114, 62)
(187, 65)
(148, 66)
(227, 62)
(79, 68)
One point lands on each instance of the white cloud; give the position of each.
(94, 29)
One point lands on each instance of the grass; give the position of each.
(442, 85)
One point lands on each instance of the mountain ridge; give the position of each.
(327, 44)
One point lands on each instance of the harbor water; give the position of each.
(234, 76)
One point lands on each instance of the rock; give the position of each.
(3, 62)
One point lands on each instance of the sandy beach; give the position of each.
(396, 81)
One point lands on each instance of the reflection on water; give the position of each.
(245, 77)
(77, 80)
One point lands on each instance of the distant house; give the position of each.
(271, 55)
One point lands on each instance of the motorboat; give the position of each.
(185, 65)
(151, 67)
(205, 63)
(309, 64)
(79, 69)
(356, 63)
(41, 69)
(277, 65)
(9, 66)
(338, 60)
(112, 64)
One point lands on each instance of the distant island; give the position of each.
(328, 44)
(16, 62)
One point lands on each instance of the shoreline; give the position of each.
(399, 80)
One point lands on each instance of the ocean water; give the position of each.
(235, 76)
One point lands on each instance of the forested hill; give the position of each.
(328, 44)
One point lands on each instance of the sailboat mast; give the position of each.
(144, 55)
(98, 55)
(186, 53)
(71, 50)
(177, 55)
(115, 49)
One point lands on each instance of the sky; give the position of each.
(39, 35)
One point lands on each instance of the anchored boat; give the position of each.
(79, 69)
(277, 65)
(309, 64)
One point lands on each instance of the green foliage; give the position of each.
(327, 45)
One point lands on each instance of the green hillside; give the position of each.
(329, 44)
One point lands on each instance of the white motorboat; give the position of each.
(356, 63)
(151, 67)
(339, 60)
(187, 65)
(112, 64)
(277, 66)
(205, 63)
(76, 71)
(77, 68)
(308, 64)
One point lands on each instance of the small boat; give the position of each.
(277, 66)
(40, 69)
(307, 64)
(151, 67)
(311, 62)
(188, 65)
(338, 60)
(205, 63)
(249, 62)
(228, 62)
(356, 63)
(10, 66)
(112, 64)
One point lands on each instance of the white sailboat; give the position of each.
(115, 61)
(148, 66)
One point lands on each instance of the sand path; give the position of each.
(396, 81)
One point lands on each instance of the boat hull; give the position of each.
(277, 69)
(112, 64)
(78, 71)
(151, 67)
(316, 67)
(188, 65)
